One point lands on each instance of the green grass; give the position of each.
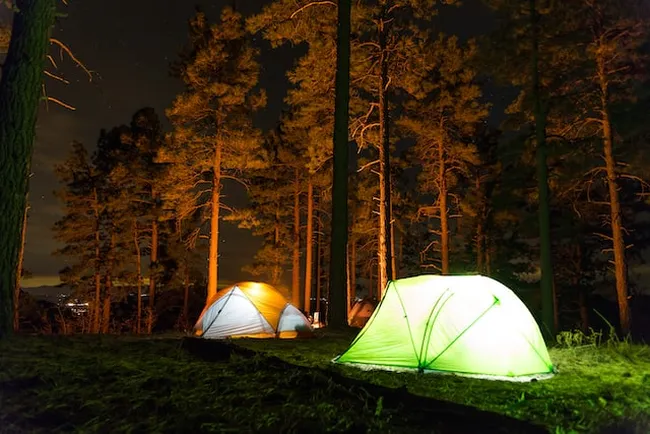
(127, 384)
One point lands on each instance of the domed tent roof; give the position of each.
(251, 309)
(361, 312)
(468, 325)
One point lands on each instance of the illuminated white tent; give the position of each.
(251, 309)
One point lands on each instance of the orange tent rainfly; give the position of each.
(251, 309)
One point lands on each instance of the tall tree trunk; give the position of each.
(384, 250)
(138, 271)
(337, 311)
(19, 270)
(546, 264)
(618, 240)
(309, 241)
(444, 214)
(153, 266)
(213, 255)
(295, 285)
(20, 93)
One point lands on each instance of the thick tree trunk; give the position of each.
(310, 246)
(295, 285)
(444, 213)
(618, 240)
(138, 271)
(213, 255)
(19, 271)
(152, 275)
(20, 93)
(337, 311)
(546, 264)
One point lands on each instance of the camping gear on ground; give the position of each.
(467, 325)
(251, 309)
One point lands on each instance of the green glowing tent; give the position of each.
(467, 325)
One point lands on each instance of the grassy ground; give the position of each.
(122, 384)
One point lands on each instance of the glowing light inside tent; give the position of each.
(469, 325)
(251, 309)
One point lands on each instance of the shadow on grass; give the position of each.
(401, 410)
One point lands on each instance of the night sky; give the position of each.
(129, 44)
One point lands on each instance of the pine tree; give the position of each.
(443, 118)
(614, 32)
(213, 137)
(521, 62)
(80, 227)
(20, 93)
(338, 310)
(270, 196)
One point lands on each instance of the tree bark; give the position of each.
(152, 275)
(213, 255)
(546, 264)
(337, 311)
(444, 215)
(295, 286)
(138, 270)
(19, 270)
(309, 238)
(20, 93)
(618, 240)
